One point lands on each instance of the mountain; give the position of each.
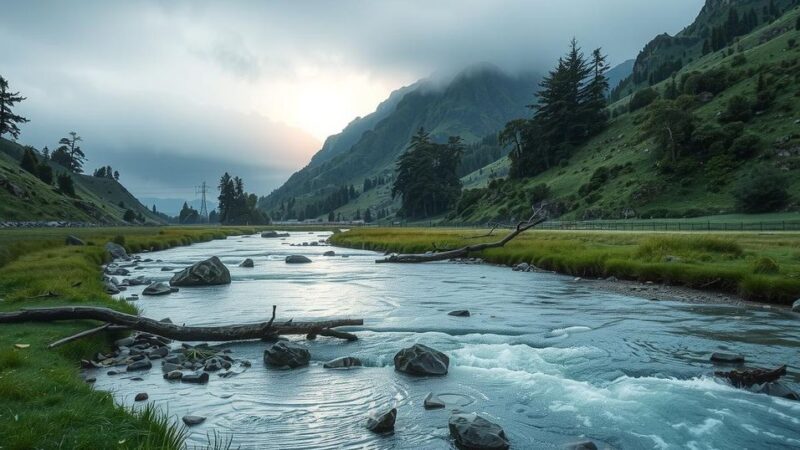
(474, 104)
(665, 54)
(24, 197)
(742, 103)
(620, 72)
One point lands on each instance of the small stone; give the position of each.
(140, 397)
(796, 306)
(74, 240)
(471, 431)
(173, 375)
(91, 380)
(169, 367)
(193, 420)
(136, 379)
(329, 253)
(297, 259)
(247, 263)
(113, 372)
(459, 313)
(342, 363)
(159, 288)
(583, 445)
(124, 342)
(143, 364)
(159, 352)
(195, 378)
(382, 422)
(22, 346)
(287, 354)
(432, 401)
(727, 358)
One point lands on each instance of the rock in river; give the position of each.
(796, 305)
(287, 354)
(342, 363)
(273, 234)
(471, 431)
(205, 273)
(297, 259)
(159, 288)
(195, 378)
(382, 422)
(728, 358)
(459, 313)
(142, 364)
(193, 420)
(329, 253)
(141, 396)
(421, 360)
(116, 251)
(432, 401)
(247, 263)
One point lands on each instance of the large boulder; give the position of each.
(116, 251)
(383, 421)
(74, 240)
(159, 288)
(473, 432)
(297, 259)
(205, 273)
(287, 354)
(421, 360)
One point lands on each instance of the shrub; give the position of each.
(129, 216)
(642, 98)
(119, 239)
(762, 190)
(738, 60)
(738, 109)
(766, 265)
(45, 173)
(538, 193)
(29, 162)
(65, 184)
(745, 146)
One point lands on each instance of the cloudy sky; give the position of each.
(173, 93)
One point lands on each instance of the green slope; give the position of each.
(638, 184)
(476, 103)
(23, 197)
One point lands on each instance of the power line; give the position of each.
(202, 190)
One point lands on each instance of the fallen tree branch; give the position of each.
(489, 234)
(463, 252)
(79, 335)
(178, 332)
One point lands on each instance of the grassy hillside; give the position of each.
(23, 197)
(633, 180)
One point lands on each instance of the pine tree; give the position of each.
(671, 91)
(69, 154)
(367, 216)
(8, 120)
(593, 95)
(331, 216)
(29, 162)
(706, 47)
(65, 184)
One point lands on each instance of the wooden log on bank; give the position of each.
(183, 333)
(463, 252)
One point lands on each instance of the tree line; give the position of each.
(570, 109)
(236, 206)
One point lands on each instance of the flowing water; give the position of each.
(550, 359)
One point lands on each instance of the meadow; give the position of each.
(757, 266)
(44, 403)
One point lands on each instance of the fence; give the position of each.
(670, 225)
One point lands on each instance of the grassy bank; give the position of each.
(758, 266)
(43, 401)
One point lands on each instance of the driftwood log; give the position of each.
(184, 333)
(463, 252)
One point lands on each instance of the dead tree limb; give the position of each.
(463, 252)
(178, 332)
(77, 336)
(489, 234)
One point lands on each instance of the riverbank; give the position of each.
(763, 267)
(44, 403)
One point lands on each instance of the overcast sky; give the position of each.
(174, 93)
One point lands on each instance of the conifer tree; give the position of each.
(8, 120)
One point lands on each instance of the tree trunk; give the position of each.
(178, 332)
(464, 251)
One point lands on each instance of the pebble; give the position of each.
(140, 397)
(193, 420)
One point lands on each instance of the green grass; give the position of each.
(43, 401)
(728, 262)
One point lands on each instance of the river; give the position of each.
(551, 359)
